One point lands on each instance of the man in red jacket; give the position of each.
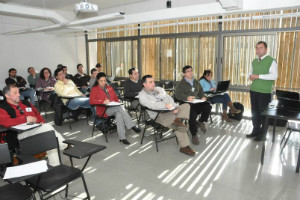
(14, 112)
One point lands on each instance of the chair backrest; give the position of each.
(39, 143)
(168, 84)
(5, 157)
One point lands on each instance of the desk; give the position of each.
(82, 150)
(273, 112)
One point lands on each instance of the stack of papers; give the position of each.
(25, 170)
(113, 103)
(25, 126)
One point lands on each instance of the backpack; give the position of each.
(238, 116)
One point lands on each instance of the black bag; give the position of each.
(238, 116)
(59, 110)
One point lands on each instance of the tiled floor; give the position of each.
(226, 166)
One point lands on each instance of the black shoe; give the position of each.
(251, 135)
(136, 129)
(125, 142)
(260, 138)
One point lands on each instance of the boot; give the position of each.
(232, 108)
(225, 116)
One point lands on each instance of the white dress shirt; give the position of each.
(273, 71)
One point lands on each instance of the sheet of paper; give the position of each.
(173, 108)
(25, 126)
(113, 103)
(25, 170)
(195, 101)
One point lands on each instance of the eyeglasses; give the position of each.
(20, 109)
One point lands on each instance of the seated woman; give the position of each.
(209, 85)
(45, 85)
(102, 93)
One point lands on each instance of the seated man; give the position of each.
(132, 87)
(81, 79)
(93, 79)
(99, 67)
(67, 75)
(66, 87)
(32, 77)
(14, 112)
(187, 90)
(20, 82)
(156, 98)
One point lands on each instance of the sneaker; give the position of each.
(187, 150)
(202, 127)
(195, 140)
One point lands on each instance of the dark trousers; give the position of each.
(196, 109)
(259, 102)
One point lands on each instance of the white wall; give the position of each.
(36, 49)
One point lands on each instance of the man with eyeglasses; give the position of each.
(14, 112)
(189, 89)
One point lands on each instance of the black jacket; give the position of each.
(21, 82)
(81, 80)
(132, 89)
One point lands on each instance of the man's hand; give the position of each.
(31, 119)
(106, 101)
(203, 98)
(253, 77)
(169, 106)
(175, 111)
(191, 98)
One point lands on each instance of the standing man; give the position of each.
(187, 90)
(81, 79)
(263, 72)
(20, 82)
(32, 77)
(132, 87)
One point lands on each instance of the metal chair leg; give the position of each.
(67, 189)
(143, 134)
(286, 141)
(85, 187)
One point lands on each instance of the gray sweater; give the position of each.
(155, 100)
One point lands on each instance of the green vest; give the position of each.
(260, 68)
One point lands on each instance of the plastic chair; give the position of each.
(13, 191)
(56, 177)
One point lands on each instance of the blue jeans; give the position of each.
(30, 93)
(224, 99)
(79, 102)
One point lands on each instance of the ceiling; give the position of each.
(136, 11)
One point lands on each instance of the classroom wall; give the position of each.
(36, 49)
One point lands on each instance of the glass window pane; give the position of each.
(167, 59)
(150, 57)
